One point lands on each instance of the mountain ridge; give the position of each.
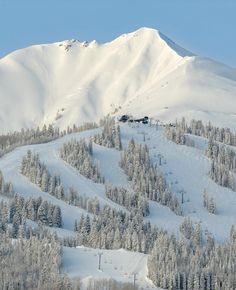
(142, 72)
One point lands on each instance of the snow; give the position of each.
(10, 166)
(139, 73)
(185, 168)
(109, 167)
(82, 262)
(142, 72)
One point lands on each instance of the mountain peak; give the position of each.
(146, 30)
(142, 72)
(151, 35)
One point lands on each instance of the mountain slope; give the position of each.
(140, 73)
(185, 168)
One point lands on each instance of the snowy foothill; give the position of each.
(185, 168)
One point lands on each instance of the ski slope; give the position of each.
(142, 72)
(185, 168)
(120, 265)
(49, 154)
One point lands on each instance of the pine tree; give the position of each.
(57, 218)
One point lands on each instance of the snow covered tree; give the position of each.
(110, 136)
(178, 264)
(209, 203)
(128, 199)
(146, 179)
(79, 155)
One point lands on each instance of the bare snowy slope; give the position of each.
(139, 73)
(117, 264)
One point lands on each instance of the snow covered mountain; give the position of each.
(82, 186)
(142, 72)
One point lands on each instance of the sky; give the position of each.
(205, 27)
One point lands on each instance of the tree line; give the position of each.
(189, 264)
(110, 135)
(209, 203)
(112, 229)
(38, 135)
(79, 155)
(17, 210)
(128, 199)
(177, 132)
(147, 180)
(110, 284)
(223, 164)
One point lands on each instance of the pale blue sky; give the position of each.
(206, 27)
